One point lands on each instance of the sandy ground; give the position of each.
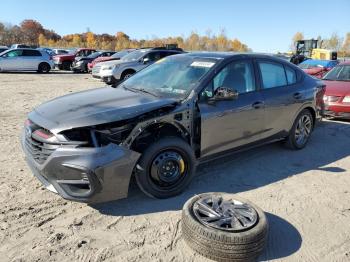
(306, 195)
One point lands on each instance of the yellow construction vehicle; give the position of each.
(310, 48)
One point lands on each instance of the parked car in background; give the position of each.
(26, 59)
(317, 68)
(47, 50)
(65, 61)
(116, 56)
(337, 95)
(80, 64)
(60, 51)
(3, 48)
(159, 123)
(112, 72)
(15, 46)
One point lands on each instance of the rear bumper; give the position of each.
(339, 110)
(89, 175)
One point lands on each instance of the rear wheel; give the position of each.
(300, 133)
(165, 168)
(44, 68)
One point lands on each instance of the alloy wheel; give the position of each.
(227, 215)
(303, 130)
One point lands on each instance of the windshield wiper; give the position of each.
(140, 89)
(147, 92)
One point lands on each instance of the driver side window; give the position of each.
(238, 76)
(13, 53)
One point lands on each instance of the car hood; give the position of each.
(314, 70)
(337, 88)
(105, 58)
(94, 107)
(65, 56)
(115, 62)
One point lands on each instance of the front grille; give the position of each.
(39, 151)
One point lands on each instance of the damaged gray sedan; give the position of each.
(158, 124)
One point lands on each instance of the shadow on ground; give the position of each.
(247, 171)
(283, 239)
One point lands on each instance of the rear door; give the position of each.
(282, 93)
(232, 123)
(31, 59)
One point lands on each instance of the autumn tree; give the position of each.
(31, 30)
(346, 45)
(333, 43)
(90, 40)
(298, 36)
(42, 40)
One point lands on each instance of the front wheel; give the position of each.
(165, 168)
(300, 133)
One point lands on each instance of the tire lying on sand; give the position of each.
(224, 227)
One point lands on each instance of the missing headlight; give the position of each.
(112, 134)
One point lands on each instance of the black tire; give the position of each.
(143, 171)
(291, 141)
(44, 68)
(222, 245)
(126, 74)
(67, 65)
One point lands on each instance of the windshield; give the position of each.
(94, 55)
(134, 56)
(120, 54)
(339, 73)
(174, 76)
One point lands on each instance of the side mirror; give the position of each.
(145, 60)
(225, 93)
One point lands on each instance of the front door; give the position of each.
(12, 60)
(231, 123)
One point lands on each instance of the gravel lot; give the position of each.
(306, 195)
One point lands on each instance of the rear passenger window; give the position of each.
(291, 75)
(272, 74)
(31, 53)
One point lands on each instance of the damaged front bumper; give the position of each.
(89, 175)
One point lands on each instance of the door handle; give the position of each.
(297, 96)
(258, 104)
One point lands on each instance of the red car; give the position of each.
(337, 94)
(317, 68)
(116, 56)
(64, 62)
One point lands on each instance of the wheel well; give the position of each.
(128, 71)
(43, 63)
(153, 133)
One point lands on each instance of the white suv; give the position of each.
(115, 71)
